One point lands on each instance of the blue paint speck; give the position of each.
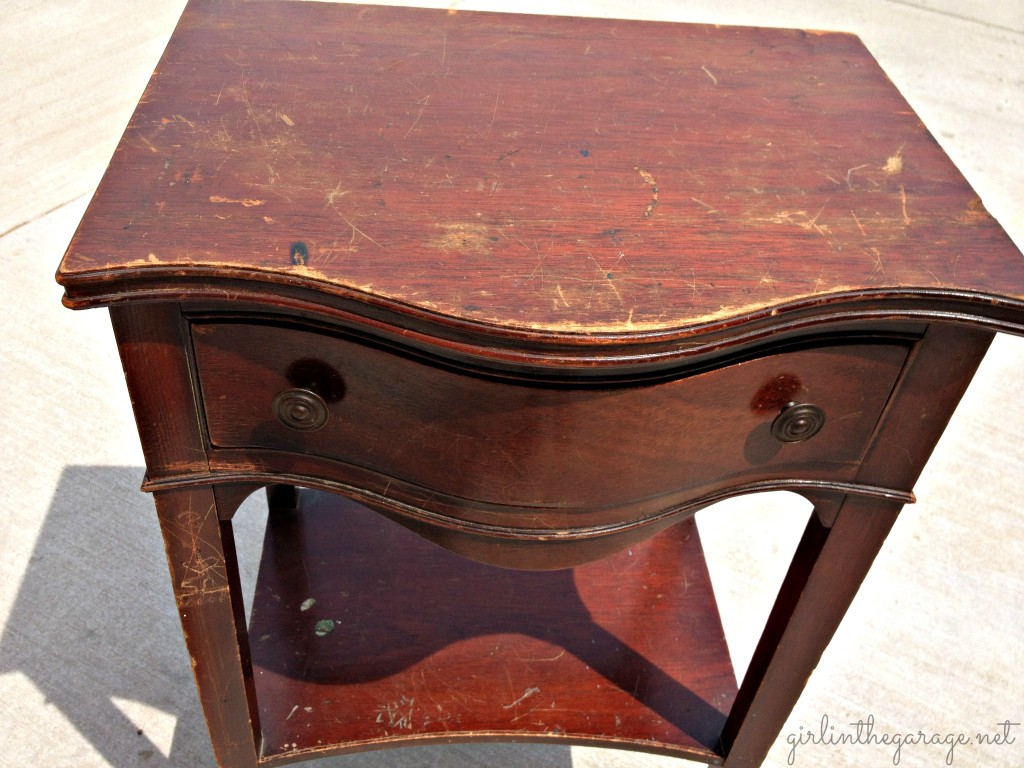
(299, 254)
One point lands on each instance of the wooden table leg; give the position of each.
(204, 574)
(842, 539)
(827, 570)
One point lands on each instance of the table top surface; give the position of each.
(557, 175)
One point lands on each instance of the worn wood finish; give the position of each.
(833, 559)
(537, 289)
(204, 574)
(152, 340)
(574, 456)
(532, 175)
(347, 650)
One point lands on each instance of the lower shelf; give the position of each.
(365, 635)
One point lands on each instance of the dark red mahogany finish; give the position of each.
(452, 670)
(536, 289)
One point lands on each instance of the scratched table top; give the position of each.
(557, 175)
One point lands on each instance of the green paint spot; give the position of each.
(324, 628)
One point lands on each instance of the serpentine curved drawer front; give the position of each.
(291, 399)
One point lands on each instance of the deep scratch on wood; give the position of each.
(204, 576)
(851, 171)
(245, 202)
(423, 102)
(903, 202)
(859, 225)
(649, 180)
(526, 694)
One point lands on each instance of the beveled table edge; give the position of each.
(523, 346)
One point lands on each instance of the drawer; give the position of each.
(278, 395)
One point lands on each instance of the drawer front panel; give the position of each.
(293, 389)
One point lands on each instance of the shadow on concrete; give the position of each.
(95, 629)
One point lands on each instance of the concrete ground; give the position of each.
(93, 670)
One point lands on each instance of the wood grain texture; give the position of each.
(539, 460)
(548, 175)
(151, 339)
(349, 653)
(830, 564)
(204, 576)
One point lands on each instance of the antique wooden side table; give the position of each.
(509, 298)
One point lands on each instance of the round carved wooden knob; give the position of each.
(798, 422)
(300, 409)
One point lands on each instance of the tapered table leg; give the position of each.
(204, 574)
(827, 569)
